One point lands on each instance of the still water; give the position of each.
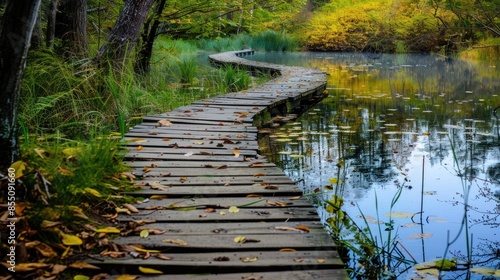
(411, 145)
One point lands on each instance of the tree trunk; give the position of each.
(148, 36)
(17, 27)
(51, 24)
(124, 35)
(71, 27)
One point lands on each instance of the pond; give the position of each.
(408, 147)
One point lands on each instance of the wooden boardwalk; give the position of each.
(214, 207)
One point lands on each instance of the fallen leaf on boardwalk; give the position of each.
(139, 148)
(175, 241)
(222, 213)
(294, 198)
(147, 270)
(157, 186)
(254, 195)
(130, 207)
(71, 240)
(138, 140)
(143, 222)
(234, 209)
(164, 123)
(146, 169)
(157, 196)
(182, 179)
(249, 259)
(284, 250)
(145, 250)
(188, 154)
(236, 153)
(108, 230)
(259, 174)
(205, 153)
(298, 260)
(163, 257)
(304, 228)
(258, 164)
(287, 228)
(202, 215)
(239, 239)
(222, 167)
(210, 210)
(83, 265)
(271, 187)
(166, 139)
(209, 166)
(321, 260)
(126, 277)
(227, 185)
(237, 122)
(144, 233)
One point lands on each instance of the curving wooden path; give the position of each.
(215, 208)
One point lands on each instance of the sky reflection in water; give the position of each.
(390, 122)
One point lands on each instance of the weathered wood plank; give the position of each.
(188, 152)
(189, 164)
(212, 171)
(225, 202)
(220, 190)
(218, 181)
(247, 215)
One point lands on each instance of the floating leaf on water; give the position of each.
(400, 215)
(430, 192)
(424, 265)
(420, 236)
(333, 180)
(409, 225)
(438, 220)
(296, 156)
(147, 270)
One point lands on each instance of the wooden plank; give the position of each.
(213, 171)
(189, 164)
(178, 157)
(247, 215)
(175, 134)
(236, 228)
(225, 202)
(220, 190)
(179, 143)
(187, 127)
(187, 152)
(290, 274)
(218, 181)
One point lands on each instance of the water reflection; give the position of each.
(417, 123)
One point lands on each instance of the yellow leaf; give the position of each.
(333, 181)
(71, 240)
(80, 277)
(239, 239)
(182, 179)
(236, 153)
(92, 192)
(249, 259)
(321, 260)
(126, 277)
(144, 233)
(130, 207)
(138, 140)
(288, 250)
(108, 230)
(157, 196)
(26, 267)
(145, 250)
(65, 171)
(222, 213)
(234, 209)
(18, 166)
(176, 242)
(39, 152)
(139, 148)
(147, 270)
(72, 151)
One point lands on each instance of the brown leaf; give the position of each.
(210, 210)
(130, 207)
(303, 228)
(176, 242)
(254, 195)
(257, 164)
(139, 148)
(205, 153)
(287, 228)
(83, 265)
(287, 250)
(158, 186)
(182, 179)
(271, 187)
(163, 257)
(222, 166)
(164, 123)
(46, 250)
(259, 174)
